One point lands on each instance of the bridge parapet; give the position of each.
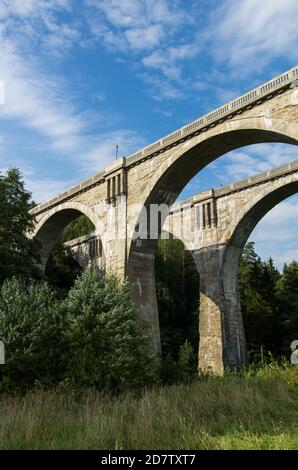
(222, 191)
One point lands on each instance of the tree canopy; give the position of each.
(18, 253)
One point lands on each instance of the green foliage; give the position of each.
(31, 328)
(62, 269)
(89, 339)
(269, 302)
(187, 362)
(79, 227)
(177, 288)
(108, 348)
(18, 254)
(257, 281)
(182, 370)
(287, 292)
(256, 411)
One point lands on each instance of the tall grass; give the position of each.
(258, 410)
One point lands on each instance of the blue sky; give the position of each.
(84, 75)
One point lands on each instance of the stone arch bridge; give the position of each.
(130, 201)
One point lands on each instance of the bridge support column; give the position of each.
(141, 275)
(222, 339)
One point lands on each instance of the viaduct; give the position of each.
(132, 201)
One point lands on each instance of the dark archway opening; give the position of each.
(177, 289)
(62, 266)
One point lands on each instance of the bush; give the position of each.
(182, 371)
(31, 328)
(187, 362)
(108, 350)
(89, 339)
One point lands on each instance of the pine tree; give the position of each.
(107, 347)
(257, 280)
(287, 292)
(18, 254)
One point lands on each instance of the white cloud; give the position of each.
(145, 38)
(168, 60)
(132, 25)
(43, 189)
(29, 8)
(34, 100)
(103, 149)
(250, 33)
(43, 103)
(146, 29)
(252, 159)
(160, 89)
(276, 234)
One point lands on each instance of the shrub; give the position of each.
(89, 339)
(107, 348)
(31, 328)
(187, 362)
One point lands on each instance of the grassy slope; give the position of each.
(250, 412)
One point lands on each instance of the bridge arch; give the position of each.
(49, 228)
(189, 158)
(180, 165)
(243, 230)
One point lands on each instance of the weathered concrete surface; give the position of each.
(115, 199)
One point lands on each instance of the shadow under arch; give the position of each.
(177, 274)
(167, 183)
(49, 229)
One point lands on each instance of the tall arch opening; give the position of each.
(177, 288)
(273, 334)
(164, 187)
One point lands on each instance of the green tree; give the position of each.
(257, 281)
(62, 269)
(107, 348)
(177, 287)
(287, 292)
(18, 254)
(79, 227)
(32, 329)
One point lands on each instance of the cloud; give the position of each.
(145, 38)
(167, 60)
(30, 8)
(35, 100)
(43, 189)
(132, 25)
(42, 102)
(148, 30)
(251, 160)
(251, 33)
(103, 149)
(276, 234)
(160, 89)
